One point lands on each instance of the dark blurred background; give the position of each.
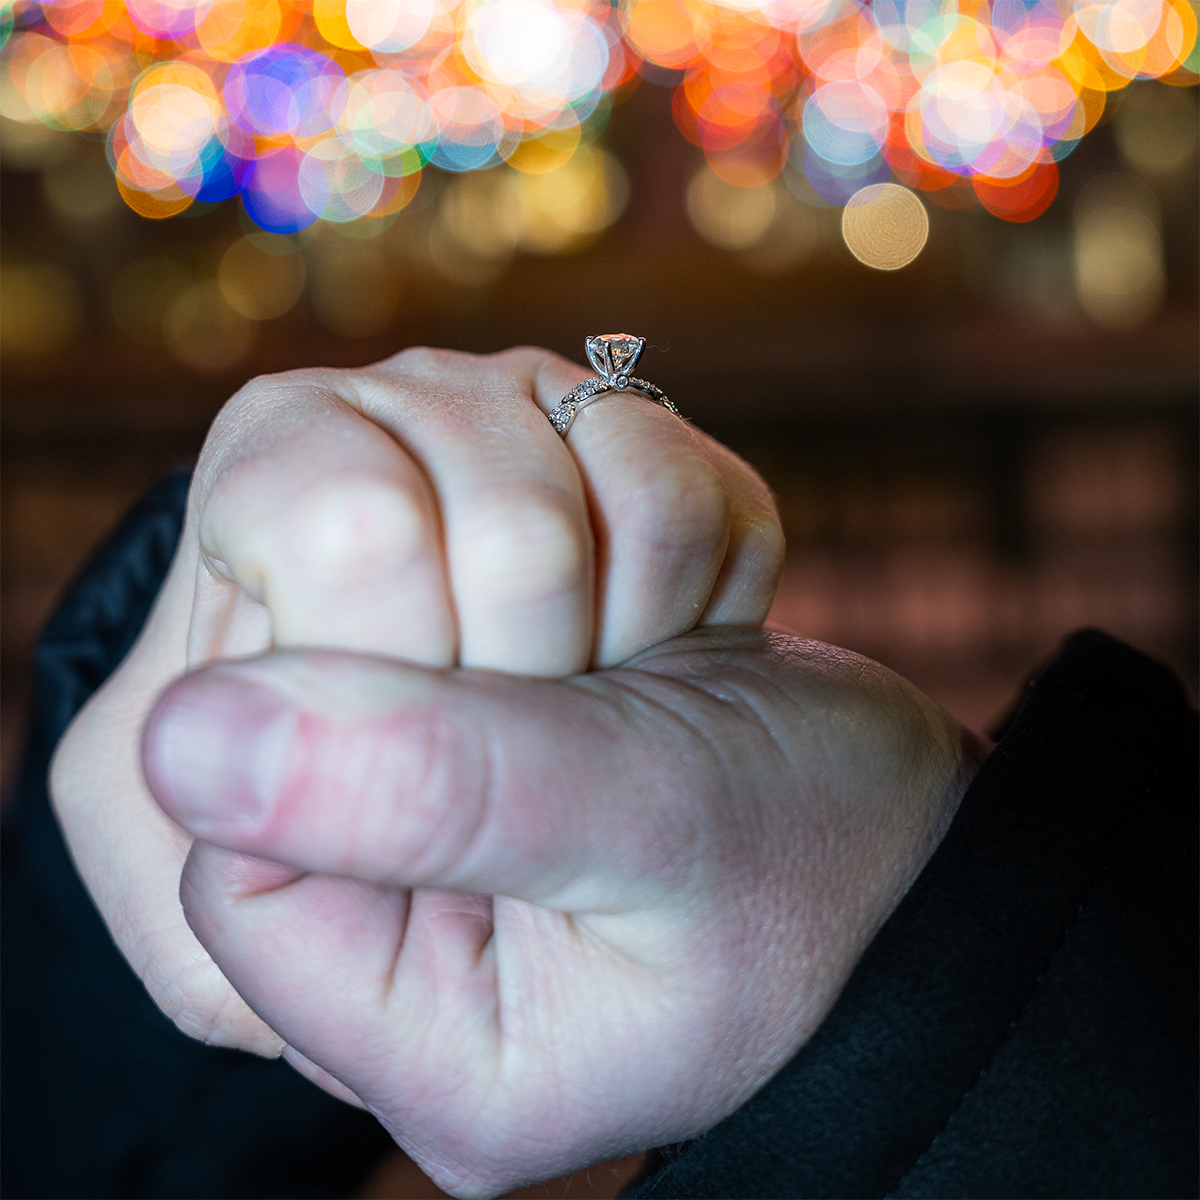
(973, 455)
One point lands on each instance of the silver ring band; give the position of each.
(613, 355)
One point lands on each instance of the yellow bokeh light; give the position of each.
(234, 28)
(81, 190)
(259, 284)
(563, 208)
(40, 308)
(330, 18)
(32, 146)
(1120, 275)
(204, 332)
(548, 152)
(1156, 128)
(481, 213)
(885, 226)
(948, 94)
(1084, 65)
(727, 216)
(354, 291)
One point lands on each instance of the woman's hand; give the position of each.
(421, 509)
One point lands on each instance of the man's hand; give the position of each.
(425, 509)
(531, 924)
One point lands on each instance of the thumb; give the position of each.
(405, 776)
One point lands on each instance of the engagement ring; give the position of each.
(613, 355)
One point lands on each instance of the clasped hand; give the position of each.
(530, 917)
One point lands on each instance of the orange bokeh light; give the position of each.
(663, 32)
(1023, 197)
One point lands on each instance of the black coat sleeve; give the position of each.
(103, 1096)
(1025, 1023)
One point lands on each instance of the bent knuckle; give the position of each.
(523, 551)
(522, 359)
(678, 505)
(425, 361)
(766, 543)
(264, 394)
(275, 402)
(355, 530)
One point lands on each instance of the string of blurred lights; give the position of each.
(331, 110)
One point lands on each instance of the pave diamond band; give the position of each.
(582, 394)
(613, 355)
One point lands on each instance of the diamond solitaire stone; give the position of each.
(614, 354)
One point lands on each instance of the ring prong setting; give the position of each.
(613, 356)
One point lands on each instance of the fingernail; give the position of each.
(216, 749)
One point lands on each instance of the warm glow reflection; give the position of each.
(40, 308)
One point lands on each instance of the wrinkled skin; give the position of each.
(532, 924)
(423, 509)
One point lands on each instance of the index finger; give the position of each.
(319, 514)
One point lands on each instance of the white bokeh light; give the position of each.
(389, 25)
(1119, 26)
(385, 112)
(520, 43)
(173, 124)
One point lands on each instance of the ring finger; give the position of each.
(667, 507)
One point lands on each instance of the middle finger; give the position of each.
(518, 543)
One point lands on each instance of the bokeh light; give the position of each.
(261, 276)
(885, 226)
(329, 110)
(1120, 275)
(40, 308)
(1157, 129)
(354, 294)
(203, 331)
(81, 190)
(142, 295)
(728, 216)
